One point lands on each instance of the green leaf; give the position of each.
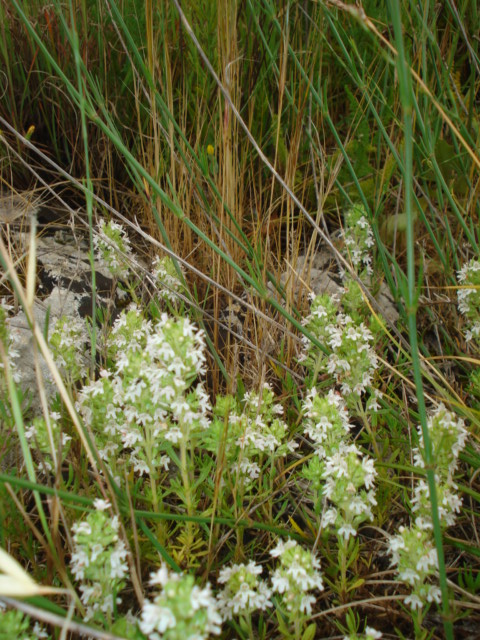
(309, 632)
(355, 585)
(282, 625)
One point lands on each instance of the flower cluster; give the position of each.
(349, 480)
(256, 431)
(415, 556)
(326, 421)
(468, 296)
(298, 573)
(413, 550)
(352, 360)
(67, 339)
(50, 439)
(9, 340)
(448, 436)
(244, 591)
(180, 610)
(147, 395)
(167, 279)
(112, 246)
(98, 561)
(322, 316)
(358, 238)
(339, 471)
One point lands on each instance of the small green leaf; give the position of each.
(355, 585)
(310, 632)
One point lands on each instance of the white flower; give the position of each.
(280, 582)
(244, 591)
(82, 528)
(306, 602)
(113, 249)
(101, 505)
(434, 593)
(346, 530)
(39, 632)
(181, 605)
(414, 601)
(163, 575)
(329, 517)
(156, 618)
(297, 574)
(282, 547)
(119, 568)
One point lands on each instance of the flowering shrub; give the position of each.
(212, 477)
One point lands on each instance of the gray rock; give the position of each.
(60, 302)
(319, 274)
(64, 289)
